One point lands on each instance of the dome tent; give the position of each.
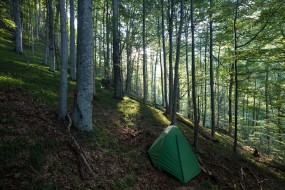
(172, 153)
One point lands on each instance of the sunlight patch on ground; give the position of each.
(9, 81)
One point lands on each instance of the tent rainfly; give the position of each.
(172, 153)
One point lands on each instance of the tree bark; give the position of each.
(236, 77)
(160, 63)
(194, 80)
(176, 75)
(18, 31)
(64, 63)
(108, 68)
(82, 109)
(187, 69)
(51, 37)
(145, 89)
(170, 30)
(212, 74)
(164, 55)
(72, 43)
(118, 90)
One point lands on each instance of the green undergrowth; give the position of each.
(36, 79)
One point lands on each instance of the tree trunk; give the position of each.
(176, 75)
(204, 105)
(137, 72)
(194, 80)
(72, 43)
(154, 78)
(129, 65)
(230, 99)
(145, 91)
(160, 63)
(187, 70)
(164, 55)
(118, 90)
(47, 40)
(18, 31)
(236, 77)
(51, 37)
(64, 63)
(82, 109)
(267, 111)
(108, 68)
(212, 74)
(170, 29)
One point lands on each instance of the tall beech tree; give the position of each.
(18, 31)
(118, 90)
(82, 108)
(176, 75)
(64, 62)
(196, 124)
(72, 42)
(145, 86)
(51, 41)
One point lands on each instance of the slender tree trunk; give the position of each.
(194, 80)
(187, 70)
(82, 109)
(164, 55)
(145, 91)
(129, 65)
(137, 72)
(218, 89)
(94, 32)
(160, 63)
(154, 78)
(230, 99)
(176, 78)
(267, 111)
(236, 77)
(51, 38)
(204, 106)
(47, 39)
(37, 15)
(108, 68)
(64, 62)
(18, 31)
(254, 104)
(212, 73)
(170, 29)
(72, 43)
(118, 90)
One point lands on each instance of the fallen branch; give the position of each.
(242, 173)
(78, 150)
(215, 164)
(258, 182)
(242, 186)
(204, 169)
(204, 133)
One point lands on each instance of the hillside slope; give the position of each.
(36, 152)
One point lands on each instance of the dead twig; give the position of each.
(218, 165)
(241, 185)
(78, 150)
(258, 181)
(242, 173)
(204, 169)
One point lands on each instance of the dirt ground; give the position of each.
(36, 153)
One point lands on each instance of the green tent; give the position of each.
(172, 153)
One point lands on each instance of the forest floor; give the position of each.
(36, 152)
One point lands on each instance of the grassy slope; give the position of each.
(123, 130)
